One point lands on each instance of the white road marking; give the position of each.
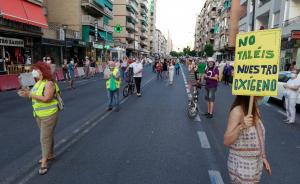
(198, 119)
(215, 177)
(281, 112)
(203, 140)
(76, 130)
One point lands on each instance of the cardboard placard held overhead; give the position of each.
(256, 66)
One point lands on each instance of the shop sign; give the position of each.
(296, 35)
(97, 46)
(11, 42)
(107, 46)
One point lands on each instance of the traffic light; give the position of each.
(118, 28)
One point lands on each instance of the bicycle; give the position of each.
(129, 88)
(192, 109)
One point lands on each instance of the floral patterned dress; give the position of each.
(245, 160)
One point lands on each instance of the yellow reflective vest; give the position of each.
(118, 82)
(41, 109)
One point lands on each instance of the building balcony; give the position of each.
(262, 2)
(93, 8)
(130, 46)
(143, 28)
(130, 26)
(132, 16)
(91, 21)
(130, 36)
(144, 5)
(108, 12)
(108, 28)
(143, 12)
(143, 43)
(144, 36)
(289, 25)
(132, 4)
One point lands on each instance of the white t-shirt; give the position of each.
(137, 69)
(293, 83)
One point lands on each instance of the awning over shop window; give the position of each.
(23, 11)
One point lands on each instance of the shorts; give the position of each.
(210, 94)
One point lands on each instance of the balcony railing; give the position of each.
(130, 25)
(133, 5)
(108, 12)
(89, 20)
(262, 2)
(132, 16)
(108, 28)
(291, 21)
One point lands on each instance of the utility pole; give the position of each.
(253, 15)
(65, 27)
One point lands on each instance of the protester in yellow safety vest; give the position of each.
(113, 83)
(45, 109)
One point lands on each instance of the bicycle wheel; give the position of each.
(192, 111)
(126, 91)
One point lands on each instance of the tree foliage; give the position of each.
(208, 50)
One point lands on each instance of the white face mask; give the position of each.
(35, 74)
(72, 62)
(49, 62)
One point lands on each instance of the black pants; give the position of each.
(226, 79)
(138, 81)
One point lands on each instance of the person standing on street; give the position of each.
(171, 72)
(211, 76)
(45, 110)
(65, 70)
(113, 83)
(71, 68)
(159, 68)
(87, 64)
(192, 77)
(291, 97)
(227, 73)
(165, 69)
(201, 71)
(137, 67)
(245, 137)
(177, 67)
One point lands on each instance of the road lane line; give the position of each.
(215, 177)
(198, 119)
(281, 112)
(76, 130)
(203, 140)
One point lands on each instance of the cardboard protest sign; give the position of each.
(256, 66)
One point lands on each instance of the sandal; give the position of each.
(49, 159)
(43, 170)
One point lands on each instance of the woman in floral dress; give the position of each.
(245, 137)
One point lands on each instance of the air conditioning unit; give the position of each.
(77, 35)
(61, 34)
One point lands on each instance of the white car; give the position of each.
(283, 78)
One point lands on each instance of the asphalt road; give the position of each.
(150, 141)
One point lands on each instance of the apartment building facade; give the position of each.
(132, 16)
(152, 26)
(271, 14)
(217, 24)
(161, 46)
(78, 28)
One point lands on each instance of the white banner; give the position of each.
(11, 42)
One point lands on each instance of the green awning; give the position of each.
(109, 37)
(102, 34)
(85, 33)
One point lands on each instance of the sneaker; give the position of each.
(286, 120)
(109, 109)
(206, 114)
(209, 116)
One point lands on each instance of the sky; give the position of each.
(179, 17)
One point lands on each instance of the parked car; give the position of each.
(283, 78)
